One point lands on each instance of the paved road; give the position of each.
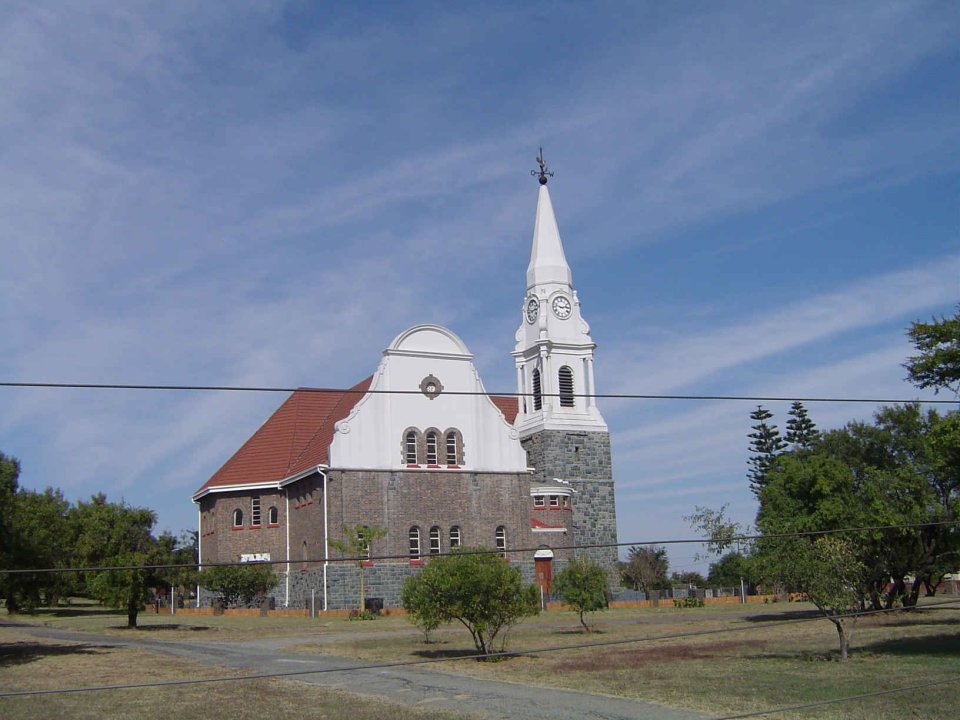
(417, 686)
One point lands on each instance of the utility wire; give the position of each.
(487, 551)
(428, 661)
(355, 391)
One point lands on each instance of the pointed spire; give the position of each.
(548, 264)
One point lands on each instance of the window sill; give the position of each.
(273, 525)
(412, 465)
(255, 527)
(367, 563)
(433, 467)
(417, 563)
(237, 527)
(453, 467)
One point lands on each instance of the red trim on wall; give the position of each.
(273, 525)
(412, 465)
(417, 562)
(367, 563)
(237, 527)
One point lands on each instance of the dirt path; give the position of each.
(415, 686)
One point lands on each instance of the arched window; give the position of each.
(432, 451)
(566, 386)
(501, 538)
(434, 540)
(273, 515)
(537, 394)
(454, 448)
(455, 539)
(410, 447)
(304, 555)
(363, 537)
(415, 543)
(238, 518)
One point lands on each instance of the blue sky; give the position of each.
(755, 198)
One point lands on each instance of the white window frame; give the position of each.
(435, 540)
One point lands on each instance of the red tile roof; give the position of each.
(297, 436)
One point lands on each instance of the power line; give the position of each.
(485, 551)
(428, 661)
(355, 391)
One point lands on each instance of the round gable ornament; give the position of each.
(431, 386)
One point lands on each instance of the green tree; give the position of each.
(689, 578)
(802, 432)
(356, 543)
(937, 362)
(646, 568)
(766, 445)
(729, 570)
(239, 583)
(111, 535)
(44, 538)
(474, 587)
(582, 584)
(9, 476)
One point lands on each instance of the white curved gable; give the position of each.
(371, 437)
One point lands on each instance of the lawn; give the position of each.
(27, 663)
(733, 659)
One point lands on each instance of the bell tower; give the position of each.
(559, 423)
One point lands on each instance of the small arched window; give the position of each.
(434, 540)
(566, 386)
(455, 538)
(410, 447)
(238, 518)
(537, 393)
(453, 444)
(501, 539)
(273, 515)
(432, 451)
(415, 543)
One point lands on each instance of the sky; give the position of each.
(754, 198)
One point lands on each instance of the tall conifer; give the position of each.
(801, 430)
(766, 444)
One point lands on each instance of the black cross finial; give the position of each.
(543, 173)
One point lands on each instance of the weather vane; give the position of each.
(543, 173)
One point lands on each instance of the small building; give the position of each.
(419, 448)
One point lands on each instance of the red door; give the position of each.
(544, 570)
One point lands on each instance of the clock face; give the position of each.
(533, 310)
(562, 307)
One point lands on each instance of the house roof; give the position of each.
(297, 437)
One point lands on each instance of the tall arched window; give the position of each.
(432, 450)
(455, 538)
(501, 538)
(537, 393)
(273, 515)
(454, 448)
(415, 543)
(566, 386)
(410, 447)
(434, 540)
(238, 518)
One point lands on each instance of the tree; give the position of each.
(937, 363)
(691, 578)
(802, 432)
(474, 587)
(9, 475)
(356, 543)
(238, 583)
(115, 534)
(766, 444)
(582, 584)
(646, 568)
(720, 532)
(729, 570)
(44, 538)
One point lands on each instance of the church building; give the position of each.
(421, 450)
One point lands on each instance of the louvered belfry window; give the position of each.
(566, 387)
(537, 393)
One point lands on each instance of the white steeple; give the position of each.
(554, 352)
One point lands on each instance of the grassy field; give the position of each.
(755, 662)
(27, 663)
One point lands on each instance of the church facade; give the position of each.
(421, 450)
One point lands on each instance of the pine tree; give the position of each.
(766, 444)
(802, 432)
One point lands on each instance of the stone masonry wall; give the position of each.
(583, 460)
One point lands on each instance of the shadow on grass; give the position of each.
(153, 628)
(580, 631)
(785, 615)
(21, 653)
(940, 645)
(75, 612)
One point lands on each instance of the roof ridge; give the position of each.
(323, 424)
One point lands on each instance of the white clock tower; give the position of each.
(560, 426)
(554, 352)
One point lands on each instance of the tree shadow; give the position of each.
(437, 654)
(785, 615)
(156, 628)
(940, 645)
(22, 653)
(63, 612)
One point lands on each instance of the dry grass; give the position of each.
(27, 663)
